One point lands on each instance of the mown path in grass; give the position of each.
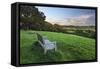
(70, 47)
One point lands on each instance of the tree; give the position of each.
(30, 17)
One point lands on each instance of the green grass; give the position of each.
(70, 47)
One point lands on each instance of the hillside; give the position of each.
(70, 47)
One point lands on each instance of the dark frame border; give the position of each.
(51, 5)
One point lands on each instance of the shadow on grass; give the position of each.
(48, 57)
(35, 54)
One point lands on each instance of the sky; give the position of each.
(69, 16)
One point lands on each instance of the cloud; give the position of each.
(82, 20)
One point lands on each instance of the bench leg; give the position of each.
(55, 48)
(45, 51)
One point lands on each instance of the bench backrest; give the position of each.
(40, 38)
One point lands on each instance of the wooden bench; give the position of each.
(45, 43)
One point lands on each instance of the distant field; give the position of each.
(86, 31)
(79, 27)
(70, 47)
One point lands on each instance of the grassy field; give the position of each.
(70, 47)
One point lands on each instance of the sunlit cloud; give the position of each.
(82, 20)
